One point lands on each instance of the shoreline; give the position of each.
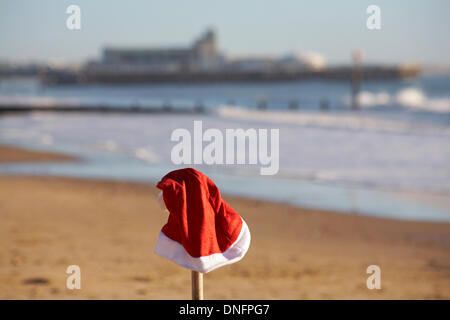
(14, 154)
(109, 229)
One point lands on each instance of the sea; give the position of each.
(390, 158)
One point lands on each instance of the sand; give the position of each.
(110, 229)
(13, 154)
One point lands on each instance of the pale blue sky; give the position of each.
(411, 30)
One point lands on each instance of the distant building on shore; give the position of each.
(202, 55)
(293, 62)
(202, 62)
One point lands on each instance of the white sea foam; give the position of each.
(147, 155)
(410, 98)
(110, 145)
(369, 99)
(373, 153)
(338, 120)
(416, 99)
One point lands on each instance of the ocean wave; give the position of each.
(341, 120)
(147, 155)
(410, 98)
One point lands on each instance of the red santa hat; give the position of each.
(203, 232)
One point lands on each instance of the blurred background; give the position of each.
(361, 112)
(364, 115)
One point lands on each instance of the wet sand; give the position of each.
(110, 229)
(14, 154)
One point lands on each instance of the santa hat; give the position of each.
(203, 232)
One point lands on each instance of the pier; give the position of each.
(345, 73)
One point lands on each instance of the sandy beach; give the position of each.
(13, 154)
(110, 229)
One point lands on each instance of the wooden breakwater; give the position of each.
(164, 109)
(167, 107)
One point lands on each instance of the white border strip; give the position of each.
(174, 251)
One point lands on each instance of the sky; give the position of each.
(411, 30)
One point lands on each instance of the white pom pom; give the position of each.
(161, 201)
